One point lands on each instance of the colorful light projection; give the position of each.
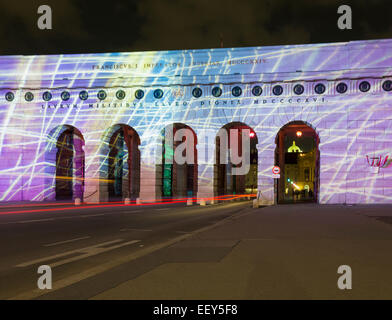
(43, 96)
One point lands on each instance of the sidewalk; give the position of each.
(278, 252)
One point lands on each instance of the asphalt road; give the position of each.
(79, 242)
(276, 252)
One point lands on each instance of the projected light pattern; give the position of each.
(148, 91)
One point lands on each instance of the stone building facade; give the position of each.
(343, 91)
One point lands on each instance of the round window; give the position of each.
(65, 95)
(158, 93)
(298, 89)
(9, 96)
(29, 96)
(83, 95)
(257, 90)
(197, 92)
(139, 94)
(341, 87)
(216, 92)
(387, 85)
(319, 88)
(101, 95)
(47, 96)
(120, 94)
(364, 86)
(277, 90)
(236, 91)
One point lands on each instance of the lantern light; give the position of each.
(299, 133)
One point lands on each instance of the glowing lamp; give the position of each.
(299, 134)
(252, 134)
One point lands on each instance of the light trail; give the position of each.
(121, 204)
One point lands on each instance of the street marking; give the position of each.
(36, 220)
(81, 216)
(91, 250)
(92, 215)
(161, 209)
(130, 229)
(54, 219)
(65, 241)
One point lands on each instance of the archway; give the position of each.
(298, 156)
(225, 181)
(122, 162)
(179, 179)
(65, 152)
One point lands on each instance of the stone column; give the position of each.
(49, 193)
(78, 167)
(95, 183)
(134, 168)
(182, 180)
(25, 185)
(150, 182)
(126, 169)
(150, 170)
(265, 181)
(206, 177)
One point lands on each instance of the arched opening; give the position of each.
(122, 174)
(68, 163)
(225, 181)
(179, 179)
(298, 156)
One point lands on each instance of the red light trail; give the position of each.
(118, 204)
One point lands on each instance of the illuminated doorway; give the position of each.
(69, 182)
(297, 154)
(123, 163)
(178, 180)
(225, 182)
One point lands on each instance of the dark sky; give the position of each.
(81, 26)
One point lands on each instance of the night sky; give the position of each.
(82, 26)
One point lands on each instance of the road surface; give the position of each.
(79, 242)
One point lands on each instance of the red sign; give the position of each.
(276, 170)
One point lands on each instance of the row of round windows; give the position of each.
(197, 92)
(83, 95)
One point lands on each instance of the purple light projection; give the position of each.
(351, 125)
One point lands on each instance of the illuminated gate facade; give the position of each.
(343, 91)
